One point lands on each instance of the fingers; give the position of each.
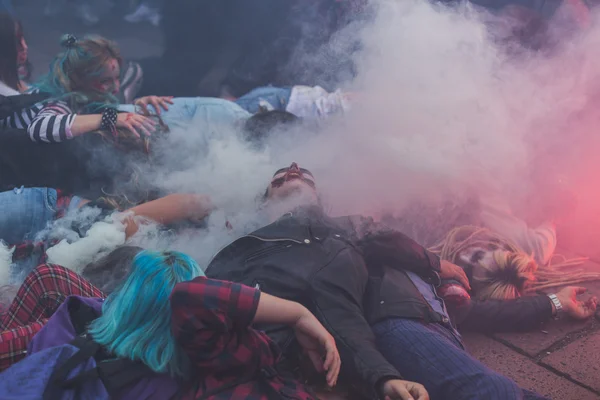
(403, 393)
(419, 392)
(329, 357)
(579, 290)
(332, 364)
(143, 106)
(583, 310)
(131, 128)
(462, 278)
(146, 125)
(316, 360)
(157, 103)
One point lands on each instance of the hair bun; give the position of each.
(68, 41)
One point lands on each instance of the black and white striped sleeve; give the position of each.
(52, 124)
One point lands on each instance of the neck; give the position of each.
(277, 208)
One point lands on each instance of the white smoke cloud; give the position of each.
(441, 106)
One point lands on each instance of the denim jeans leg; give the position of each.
(277, 98)
(25, 212)
(422, 354)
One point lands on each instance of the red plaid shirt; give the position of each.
(211, 320)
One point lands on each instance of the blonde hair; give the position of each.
(507, 277)
(511, 272)
(72, 69)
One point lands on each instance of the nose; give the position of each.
(294, 167)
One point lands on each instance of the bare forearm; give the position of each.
(86, 123)
(274, 310)
(170, 209)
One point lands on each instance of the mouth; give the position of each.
(293, 175)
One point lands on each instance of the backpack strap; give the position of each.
(87, 349)
(118, 373)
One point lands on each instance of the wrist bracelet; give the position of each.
(556, 302)
(109, 119)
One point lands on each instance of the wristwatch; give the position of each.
(556, 302)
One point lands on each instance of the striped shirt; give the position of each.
(45, 122)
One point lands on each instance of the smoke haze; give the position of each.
(444, 106)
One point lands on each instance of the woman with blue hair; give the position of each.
(167, 332)
(83, 84)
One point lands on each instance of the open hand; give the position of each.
(452, 271)
(136, 123)
(318, 345)
(573, 307)
(158, 102)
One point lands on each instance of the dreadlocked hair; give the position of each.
(509, 272)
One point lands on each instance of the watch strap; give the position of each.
(556, 302)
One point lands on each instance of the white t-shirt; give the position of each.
(315, 102)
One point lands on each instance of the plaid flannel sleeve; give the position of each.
(14, 342)
(210, 319)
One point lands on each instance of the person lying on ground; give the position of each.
(503, 259)
(143, 327)
(41, 293)
(83, 85)
(416, 336)
(499, 269)
(28, 211)
(309, 257)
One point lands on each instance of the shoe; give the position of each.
(131, 82)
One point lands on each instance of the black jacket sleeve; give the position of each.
(12, 104)
(382, 245)
(337, 292)
(525, 313)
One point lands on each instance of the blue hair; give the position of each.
(71, 70)
(136, 317)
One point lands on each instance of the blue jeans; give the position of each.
(24, 212)
(430, 355)
(276, 98)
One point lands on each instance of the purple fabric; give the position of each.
(60, 331)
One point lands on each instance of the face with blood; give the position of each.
(292, 181)
(109, 79)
